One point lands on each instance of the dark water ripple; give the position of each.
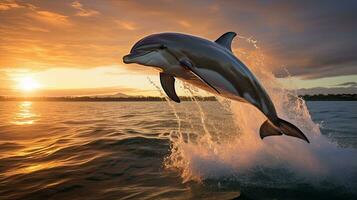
(106, 150)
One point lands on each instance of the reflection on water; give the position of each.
(25, 114)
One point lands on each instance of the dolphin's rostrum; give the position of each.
(210, 66)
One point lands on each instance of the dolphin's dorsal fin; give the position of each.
(168, 84)
(226, 40)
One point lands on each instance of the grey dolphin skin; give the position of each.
(210, 66)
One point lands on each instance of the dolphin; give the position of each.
(211, 66)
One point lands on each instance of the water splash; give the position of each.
(169, 103)
(248, 159)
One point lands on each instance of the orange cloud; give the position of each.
(83, 12)
(34, 12)
(185, 23)
(47, 34)
(9, 5)
(37, 29)
(51, 18)
(127, 25)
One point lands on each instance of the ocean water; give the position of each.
(162, 150)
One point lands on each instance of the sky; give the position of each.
(75, 47)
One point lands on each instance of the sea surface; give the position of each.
(121, 150)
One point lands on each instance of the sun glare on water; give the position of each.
(27, 84)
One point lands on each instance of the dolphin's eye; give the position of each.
(162, 47)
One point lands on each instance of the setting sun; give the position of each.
(28, 84)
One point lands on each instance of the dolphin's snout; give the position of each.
(133, 57)
(126, 59)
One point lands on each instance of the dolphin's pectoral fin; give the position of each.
(168, 84)
(226, 40)
(194, 70)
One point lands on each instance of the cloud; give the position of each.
(37, 29)
(51, 18)
(13, 4)
(351, 84)
(127, 25)
(7, 5)
(309, 39)
(325, 45)
(34, 12)
(184, 23)
(82, 11)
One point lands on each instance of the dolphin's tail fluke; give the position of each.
(283, 128)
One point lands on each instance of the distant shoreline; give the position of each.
(101, 99)
(319, 97)
(330, 97)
